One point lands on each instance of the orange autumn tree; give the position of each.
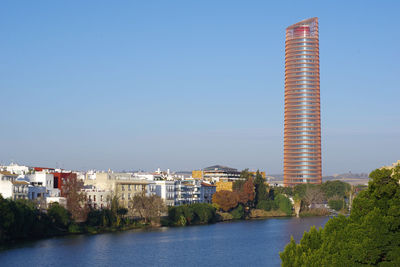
(247, 193)
(227, 200)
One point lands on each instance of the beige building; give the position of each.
(126, 190)
(122, 185)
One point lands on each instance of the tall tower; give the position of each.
(302, 135)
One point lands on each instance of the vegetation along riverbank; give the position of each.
(251, 198)
(370, 236)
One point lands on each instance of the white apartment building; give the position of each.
(42, 178)
(6, 186)
(166, 190)
(187, 192)
(17, 169)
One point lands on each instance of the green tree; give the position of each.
(336, 203)
(369, 236)
(266, 205)
(238, 213)
(59, 216)
(261, 188)
(284, 204)
(203, 213)
(335, 188)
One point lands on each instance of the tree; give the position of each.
(336, 203)
(181, 215)
(149, 208)
(227, 200)
(246, 194)
(203, 213)
(238, 213)
(284, 204)
(266, 205)
(314, 195)
(59, 216)
(260, 188)
(244, 176)
(335, 188)
(369, 236)
(76, 199)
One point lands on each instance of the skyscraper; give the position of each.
(302, 135)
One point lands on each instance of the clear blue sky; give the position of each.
(188, 84)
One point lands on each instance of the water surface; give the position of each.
(242, 243)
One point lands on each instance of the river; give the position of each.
(242, 243)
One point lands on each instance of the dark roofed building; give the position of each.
(217, 173)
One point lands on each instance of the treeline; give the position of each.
(311, 198)
(370, 236)
(21, 219)
(250, 193)
(198, 213)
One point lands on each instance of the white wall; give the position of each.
(47, 179)
(6, 188)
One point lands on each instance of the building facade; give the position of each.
(207, 192)
(216, 173)
(125, 190)
(97, 198)
(302, 133)
(187, 192)
(166, 190)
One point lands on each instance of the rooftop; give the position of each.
(220, 168)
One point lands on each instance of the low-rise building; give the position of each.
(217, 173)
(166, 190)
(207, 191)
(97, 198)
(6, 186)
(60, 178)
(17, 169)
(42, 178)
(36, 191)
(125, 190)
(187, 192)
(20, 190)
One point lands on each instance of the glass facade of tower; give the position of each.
(302, 135)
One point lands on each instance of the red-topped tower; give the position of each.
(302, 135)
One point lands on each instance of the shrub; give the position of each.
(265, 205)
(238, 213)
(203, 213)
(73, 228)
(284, 204)
(336, 204)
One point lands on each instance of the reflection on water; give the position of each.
(255, 242)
